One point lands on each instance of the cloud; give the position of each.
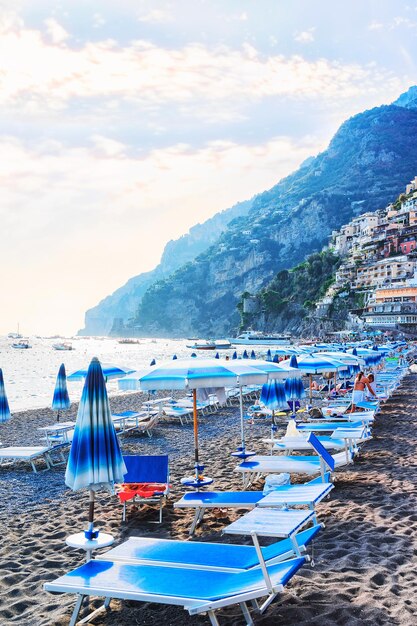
(38, 75)
(305, 36)
(374, 25)
(57, 33)
(81, 208)
(156, 16)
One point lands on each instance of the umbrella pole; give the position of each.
(195, 422)
(311, 388)
(242, 426)
(91, 514)
(57, 416)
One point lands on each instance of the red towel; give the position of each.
(145, 490)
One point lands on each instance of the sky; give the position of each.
(123, 124)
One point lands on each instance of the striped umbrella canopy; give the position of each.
(109, 371)
(61, 401)
(5, 414)
(273, 395)
(202, 373)
(369, 356)
(276, 370)
(95, 460)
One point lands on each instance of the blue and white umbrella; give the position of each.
(196, 374)
(273, 395)
(316, 364)
(253, 355)
(109, 371)
(61, 401)
(268, 355)
(276, 370)
(95, 460)
(4, 404)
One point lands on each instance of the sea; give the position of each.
(30, 375)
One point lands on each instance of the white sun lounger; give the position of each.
(292, 495)
(198, 591)
(16, 454)
(260, 465)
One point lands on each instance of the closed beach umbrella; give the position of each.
(61, 401)
(293, 361)
(245, 355)
(4, 404)
(294, 390)
(95, 460)
(234, 356)
(275, 359)
(253, 355)
(217, 356)
(109, 371)
(174, 358)
(153, 362)
(269, 355)
(273, 395)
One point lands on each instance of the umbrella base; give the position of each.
(196, 483)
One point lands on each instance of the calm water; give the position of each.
(30, 375)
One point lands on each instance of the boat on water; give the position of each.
(256, 338)
(128, 340)
(63, 345)
(23, 344)
(202, 344)
(15, 335)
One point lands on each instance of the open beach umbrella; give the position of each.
(61, 401)
(199, 374)
(276, 370)
(315, 364)
(4, 404)
(95, 460)
(109, 371)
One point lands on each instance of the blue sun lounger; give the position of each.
(292, 494)
(223, 557)
(198, 591)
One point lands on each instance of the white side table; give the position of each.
(79, 541)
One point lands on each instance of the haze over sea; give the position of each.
(30, 375)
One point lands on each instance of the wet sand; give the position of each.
(365, 560)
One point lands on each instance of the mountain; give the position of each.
(372, 155)
(114, 311)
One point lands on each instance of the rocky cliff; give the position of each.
(372, 156)
(122, 305)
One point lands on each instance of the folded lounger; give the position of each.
(197, 590)
(224, 557)
(259, 465)
(291, 494)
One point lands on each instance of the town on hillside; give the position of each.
(379, 260)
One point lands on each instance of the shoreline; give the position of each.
(365, 562)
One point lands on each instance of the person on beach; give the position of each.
(372, 385)
(358, 394)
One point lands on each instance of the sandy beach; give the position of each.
(365, 560)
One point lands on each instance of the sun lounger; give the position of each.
(146, 481)
(176, 413)
(260, 465)
(14, 454)
(202, 555)
(198, 591)
(292, 495)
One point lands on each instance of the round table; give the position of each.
(80, 541)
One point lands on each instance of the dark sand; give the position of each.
(365, 560)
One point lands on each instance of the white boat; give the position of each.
(202, 344)
(64, 345)
(222, 344)
(128, 340)
(23, 344)
(256, 338)
(15, 335)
